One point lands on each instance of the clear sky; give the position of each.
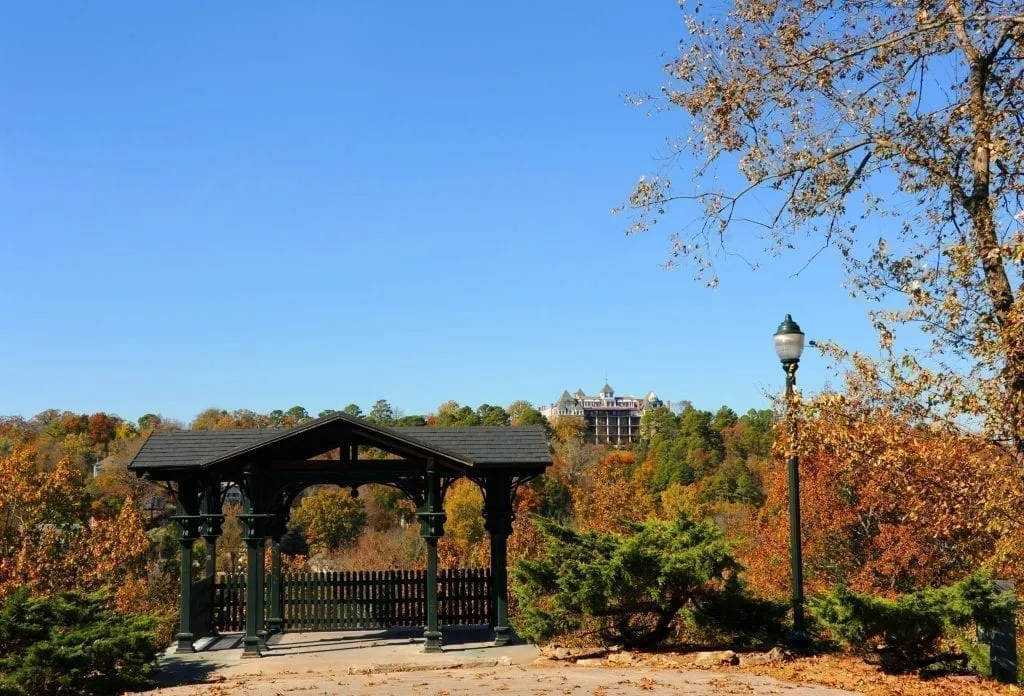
(263, 204)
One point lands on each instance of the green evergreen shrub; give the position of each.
(72, 643)
(736, 617)
(632, 589)
(908, 631)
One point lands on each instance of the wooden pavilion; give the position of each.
(272, 466)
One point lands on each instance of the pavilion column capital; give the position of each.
(498, 523)
(499, 511)
(431, 523)
(188, 516)
(213, 525)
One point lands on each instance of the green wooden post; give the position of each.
(211, 555)
(251, 642)
(211, 575)
(185, 635)
(275, 623)
(213, 522)
(498, 523)
(432, 520)
(187, 518)
(261, 596)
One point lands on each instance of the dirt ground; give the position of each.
(516, 680)
(382, 663)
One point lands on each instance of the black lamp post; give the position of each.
(789, 345)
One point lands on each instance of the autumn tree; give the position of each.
(905, 113)
(149, 421)
(387, 507)
(569, 439)
(102, 428)
(523, 413)
(613, 495)
(463, 543)
(213, 419)
(330, 518)
(48, 540)
(889, 504)
(451, 413)
(296, 415)
(244, 418)
(40, 511)
(114, 484)
(230, 547)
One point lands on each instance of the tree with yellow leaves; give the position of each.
(889, 503)
(49, 541)
(330, 518)
(907, 114)
(613, 494)
(464, 543)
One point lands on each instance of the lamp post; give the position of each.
(789, 345)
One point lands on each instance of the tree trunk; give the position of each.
(978, 204)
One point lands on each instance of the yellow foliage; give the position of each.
(464, 541)
(50, 543)
(677, 499)
(888, 503)
(610, 497)
(330, 518)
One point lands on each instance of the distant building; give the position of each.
(98, 467)
(611, 420)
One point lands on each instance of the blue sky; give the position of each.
(263, 204)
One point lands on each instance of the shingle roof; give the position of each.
(183, 448)
(487, 446)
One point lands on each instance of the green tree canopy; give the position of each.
(411, 421)
(382, 413)
(492, 415)
(329, 518)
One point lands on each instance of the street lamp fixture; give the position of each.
(789, 345)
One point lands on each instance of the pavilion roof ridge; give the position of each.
(278, 434)
(470, 446)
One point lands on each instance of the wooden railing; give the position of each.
(334, 601)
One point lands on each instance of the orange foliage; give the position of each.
(610, 496)
(117, 549)
(398, 548)
(49, 541)
(525, 541)
(887, 505)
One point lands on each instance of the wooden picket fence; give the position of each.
(334, 601)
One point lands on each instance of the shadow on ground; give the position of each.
(398, 647)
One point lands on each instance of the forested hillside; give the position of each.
(890, 505)
(69, 501)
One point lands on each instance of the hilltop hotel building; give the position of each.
(611, 420)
